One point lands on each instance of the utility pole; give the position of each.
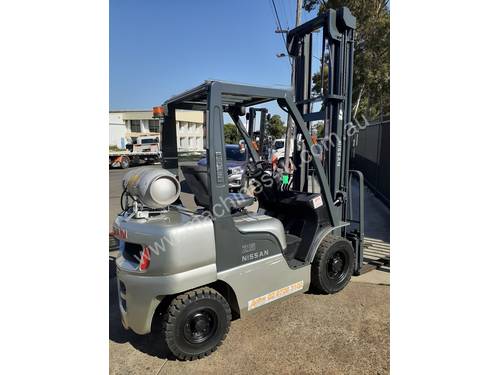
(289, 124)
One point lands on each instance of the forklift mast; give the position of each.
(251, 115)
(336, 77)
(336, 93)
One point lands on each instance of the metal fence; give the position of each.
(372, 157)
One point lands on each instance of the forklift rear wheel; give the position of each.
(196, 324)
(333, 265)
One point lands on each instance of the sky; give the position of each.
(161, 48)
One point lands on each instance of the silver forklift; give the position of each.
(199, 269)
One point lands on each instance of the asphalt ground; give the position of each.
(343, 333)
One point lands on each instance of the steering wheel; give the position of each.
(256, 169)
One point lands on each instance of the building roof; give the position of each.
(186, 116)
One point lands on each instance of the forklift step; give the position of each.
(295, 263)
(292, 245)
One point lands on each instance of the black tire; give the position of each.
(125, 163)
(333, 265)
(196, 324)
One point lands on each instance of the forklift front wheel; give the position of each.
(333, 265)
(196, 324)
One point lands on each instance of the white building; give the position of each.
(117, 130)
(125, 126)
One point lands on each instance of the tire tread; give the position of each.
(316, 265)
(175, 308)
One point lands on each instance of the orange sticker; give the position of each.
(274, 295)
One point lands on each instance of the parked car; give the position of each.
(236, 160)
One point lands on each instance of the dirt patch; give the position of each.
(342, 333)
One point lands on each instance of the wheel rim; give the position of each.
(336, 267)
(200, 326)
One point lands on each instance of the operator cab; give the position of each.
(291, 217)
(247, 223)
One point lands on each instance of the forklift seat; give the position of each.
(197, 178)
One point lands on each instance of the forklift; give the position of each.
(199, 269)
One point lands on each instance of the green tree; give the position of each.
(276, 129)
(371, 54)
(231, 134)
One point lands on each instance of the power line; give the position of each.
(285, 11)
(278, 24)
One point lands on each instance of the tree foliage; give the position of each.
(231, 134)
(371, 54)
(276, 127)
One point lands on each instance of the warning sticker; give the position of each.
(274, 295)
(219, 163)
(317, 202)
